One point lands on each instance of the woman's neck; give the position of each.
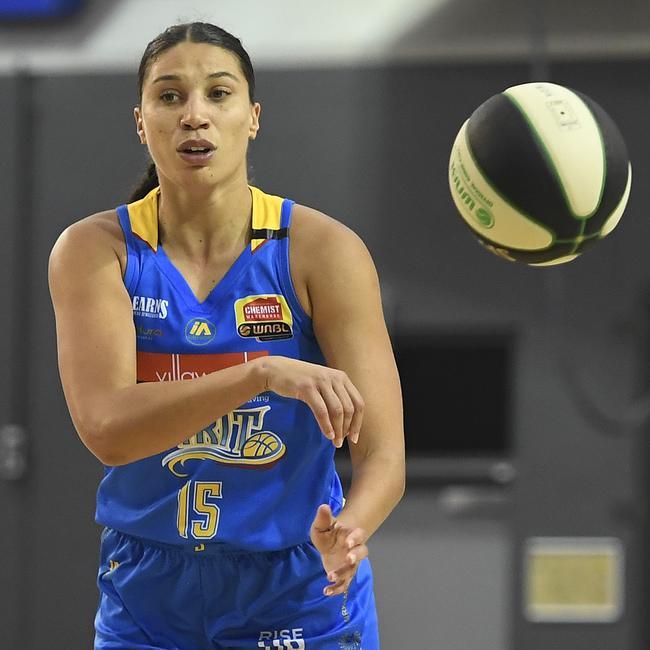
(203, 223)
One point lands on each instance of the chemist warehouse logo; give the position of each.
(265, 318)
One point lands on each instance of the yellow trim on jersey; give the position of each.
(143, 215)
(266, 213)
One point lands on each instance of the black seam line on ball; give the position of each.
(576, 242)
(582, 238)
(615, 153)
(579, 239)
(515, 206)
(547, 154)
(509, 154)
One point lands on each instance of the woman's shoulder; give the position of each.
(99, 232)
(316, 235)
(101, 226)
(321, 246)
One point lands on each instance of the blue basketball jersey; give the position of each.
(252, 478)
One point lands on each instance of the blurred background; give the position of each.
(524, 525)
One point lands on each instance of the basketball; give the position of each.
(539, 173)
(260, 445)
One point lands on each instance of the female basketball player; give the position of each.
(212, 367)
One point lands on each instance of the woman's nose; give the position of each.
(195, 115)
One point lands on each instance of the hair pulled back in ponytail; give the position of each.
(147, 183)
(196, 32)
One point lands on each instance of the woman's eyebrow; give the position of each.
(213, 75)
(216, 75)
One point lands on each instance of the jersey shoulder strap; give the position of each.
(271, 217)
(139, 223)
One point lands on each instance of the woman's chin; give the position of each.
(199, 179)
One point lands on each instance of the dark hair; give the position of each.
(192, 33)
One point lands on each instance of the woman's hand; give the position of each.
(333, 398)
(341, 549)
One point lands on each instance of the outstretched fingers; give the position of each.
(341, 578)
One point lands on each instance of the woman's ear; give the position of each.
(256, 109)
(139, 126)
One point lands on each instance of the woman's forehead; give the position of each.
(194, 59)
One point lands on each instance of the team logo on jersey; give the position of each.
(237, 439)
(200, 331)
(265, 318)
(148, 307)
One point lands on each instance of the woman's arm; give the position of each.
(119, 420)
(349, 324)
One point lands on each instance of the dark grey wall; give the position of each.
(10, 497)
(84, 160)
(87, 160)
(370, 147)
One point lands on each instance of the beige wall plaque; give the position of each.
(573, 579)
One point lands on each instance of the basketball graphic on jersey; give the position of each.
(262, 444)
(237, 439)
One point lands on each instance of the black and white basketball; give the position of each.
(540, 173)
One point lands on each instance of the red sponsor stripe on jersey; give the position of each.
(163, 366)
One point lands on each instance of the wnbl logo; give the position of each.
(287, 639)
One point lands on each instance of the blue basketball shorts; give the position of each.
(159, 597)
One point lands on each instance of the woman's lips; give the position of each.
(196, 151)
(196, 157)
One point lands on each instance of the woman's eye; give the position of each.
(169, 97)
(219, 93)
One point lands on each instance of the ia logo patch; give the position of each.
(200, 331)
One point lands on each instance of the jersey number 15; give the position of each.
(198, 514)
